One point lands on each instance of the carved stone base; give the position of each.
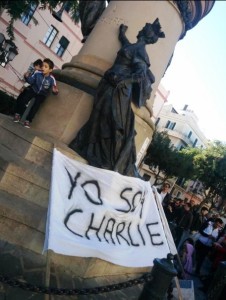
(25, 173)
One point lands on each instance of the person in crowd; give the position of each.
(35, 66)
(164, 193)
(184, 225)
(173, 212)
(219, 252)
(194, 207)
(187, 257)
(215, 215)
(178, 209)
(168, 209)
(199, 218)
(209, 233)
(41, 83)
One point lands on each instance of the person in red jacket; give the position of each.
(219, 252)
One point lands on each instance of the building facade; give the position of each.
(183, 131)
(160, 99)
(38, 35)
(181, 126)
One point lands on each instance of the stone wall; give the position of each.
(25, 174)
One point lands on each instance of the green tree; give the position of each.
(158, 153)
(210, 168)
(166, 159)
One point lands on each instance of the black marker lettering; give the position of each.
(68, 217)
(132, 243)
(73, 182)
(109, 230)
(94, 228)
(143, 240)
(153, 234)
(118, 233)
(133, 201)
(127, 201)
(95, 183)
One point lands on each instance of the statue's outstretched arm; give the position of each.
(122, 36)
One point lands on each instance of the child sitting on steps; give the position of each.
(41, 82)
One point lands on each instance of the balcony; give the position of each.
(178, 135)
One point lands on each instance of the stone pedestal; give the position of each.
(62, 116)
(25, 175)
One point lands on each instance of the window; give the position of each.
(170, 125)
(167, 124)
(157, 121)
(173, 110)
(189, 135)
(50, 36)
(195, 142)
(61, 46)
(28, 14)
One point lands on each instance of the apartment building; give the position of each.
(38, 35)
(181, 126)
(183, 130)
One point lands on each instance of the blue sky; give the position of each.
(197, 74)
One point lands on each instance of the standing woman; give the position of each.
(107, 139)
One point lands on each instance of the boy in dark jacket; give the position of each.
(41, 83)
(35, 66)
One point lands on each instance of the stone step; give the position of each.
(22, 211)
(24, 179)
(25, 143)
(33, 145)
(22, 222)
(16, 165)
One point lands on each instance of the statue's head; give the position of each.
(151, 32)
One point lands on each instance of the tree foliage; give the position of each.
(168, 161)
(210, 168)
(206, 165)
(16, 8)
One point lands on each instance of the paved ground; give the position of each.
(197, 282)
(199, 294)
(193, 288)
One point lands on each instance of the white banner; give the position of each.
(100, 213)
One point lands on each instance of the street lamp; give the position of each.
(8, 50)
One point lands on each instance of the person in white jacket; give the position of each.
(208, 235)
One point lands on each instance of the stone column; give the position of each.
(62, 116)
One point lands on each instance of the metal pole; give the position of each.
(162, 273)
(47, 274)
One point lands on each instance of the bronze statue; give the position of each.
(107, 139)
(89, 13)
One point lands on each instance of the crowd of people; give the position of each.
(198, 233)
(39, 82)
